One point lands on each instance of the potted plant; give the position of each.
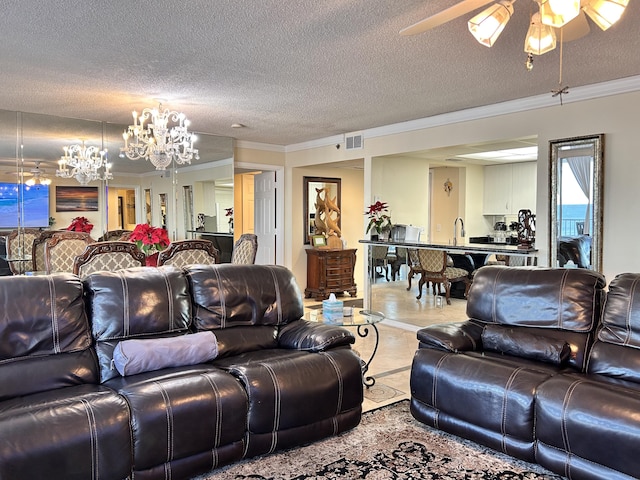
(150, 240)
(379, 220)
(80, 224)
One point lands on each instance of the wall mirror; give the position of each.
(312, 188)
(575, 206)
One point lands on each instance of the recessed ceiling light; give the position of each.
(237, 125)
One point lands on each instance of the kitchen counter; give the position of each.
(461, 247)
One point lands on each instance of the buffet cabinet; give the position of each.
(330, 271)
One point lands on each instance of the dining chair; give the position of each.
(189, 252)
(245, 249)
(413, 262)
(113, 235)
(62, 248)
(37, 250)
(379, 260)
(108, 256)
(19, 246)
(434, 268)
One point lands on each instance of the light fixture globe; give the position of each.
(557, 13)
(605, 13)
(487, 26)
(540, 38)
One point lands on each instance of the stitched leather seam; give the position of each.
(93, 438)
(563, 283)
(278, 296)
(632, 292)
(223, 301)
(340, 379)
(169, 416)
(55, 328)
(171, 305)
(434, 388)
(277, 406)
(563, 425)
(503, 423)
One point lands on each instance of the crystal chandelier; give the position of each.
(83, 163)
(153, 139)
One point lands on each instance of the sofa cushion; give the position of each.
(43, 330)
(621, 316)
(139, 303)
(521, 342)
(75, 433)
(137, 356)
(229, 295)
(557, 298)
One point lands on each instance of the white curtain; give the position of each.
(581, 169)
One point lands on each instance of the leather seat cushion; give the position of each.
(181, 412)
(484, 391)
(291, 390)
(78, 432)
(588, 417)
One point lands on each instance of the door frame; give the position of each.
(279, 183)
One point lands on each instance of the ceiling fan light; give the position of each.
(557, 13)
(487, 26)
(540, 38)
(605, 13)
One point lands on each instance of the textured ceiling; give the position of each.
(291, 71)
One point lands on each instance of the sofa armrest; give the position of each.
(312, 336)
(452, 337)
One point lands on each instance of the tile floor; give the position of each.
(397, 336)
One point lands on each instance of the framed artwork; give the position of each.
(318, 241)
(76, 199)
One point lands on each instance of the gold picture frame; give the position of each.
(319, 241)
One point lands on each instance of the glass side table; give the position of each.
(364, 321)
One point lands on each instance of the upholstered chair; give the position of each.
(434, 268)
(108, 256)
(245, 249)
(113, 235)
(189, 252)
(37, 251)
(62, 248)
(19, 245)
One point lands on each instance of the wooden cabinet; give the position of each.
(509, 188)
(330, 271)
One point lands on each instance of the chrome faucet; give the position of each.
(455, 230)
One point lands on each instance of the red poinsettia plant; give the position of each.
(80, 224)
(150, 239)
(379, 218)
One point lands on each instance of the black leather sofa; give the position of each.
(545, 370)
(67, 413)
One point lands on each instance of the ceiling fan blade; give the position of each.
(576, 28)
(451, 13)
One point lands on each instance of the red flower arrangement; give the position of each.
(80, 224)
(378, 220)
(150, 239)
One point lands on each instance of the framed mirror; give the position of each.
(312, 188)
(575, 206)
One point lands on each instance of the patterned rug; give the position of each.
(389, 444)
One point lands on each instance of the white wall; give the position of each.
(616, 116)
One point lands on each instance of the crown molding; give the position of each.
(267, 147)
(577, 94)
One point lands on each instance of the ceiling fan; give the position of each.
(39, 177)
(603, 12)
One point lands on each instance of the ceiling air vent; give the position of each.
(353, 141)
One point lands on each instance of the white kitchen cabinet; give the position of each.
(509, 188)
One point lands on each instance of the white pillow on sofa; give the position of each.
(137, 356)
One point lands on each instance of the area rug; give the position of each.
(389, 444)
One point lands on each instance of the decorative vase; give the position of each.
(152, 260)
(383, 236)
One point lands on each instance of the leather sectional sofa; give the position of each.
(66, 411)
(546, 369)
